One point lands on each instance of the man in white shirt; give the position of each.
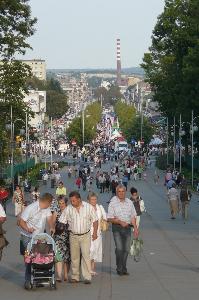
(122, 215)
(33, 221)
(80, 216)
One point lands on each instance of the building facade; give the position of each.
(38, 67)
(36, 101)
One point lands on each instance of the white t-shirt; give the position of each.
(2, 212)
(35, 217)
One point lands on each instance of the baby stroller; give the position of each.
(40, 254)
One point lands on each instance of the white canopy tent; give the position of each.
(156, 141)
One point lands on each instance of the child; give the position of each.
(78, 182)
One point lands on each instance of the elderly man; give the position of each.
(81, 217)
(122, 215)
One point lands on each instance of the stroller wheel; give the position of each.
(53, 285)
(28, 285)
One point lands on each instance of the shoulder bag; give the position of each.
(104, 225)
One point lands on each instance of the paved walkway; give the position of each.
(168, 270)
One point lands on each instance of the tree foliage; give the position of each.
(130, 123)
(56, 100)
(172, 64)
(110, 95)
(16, 26)
(92, 118)
(56, 104)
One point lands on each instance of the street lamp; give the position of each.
(11, 128)
(192, 130)
(83, 122)
(181, 134)
(173, 133)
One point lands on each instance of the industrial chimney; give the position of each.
(118, 63)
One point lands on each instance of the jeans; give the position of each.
(25, 240)
(122, 238)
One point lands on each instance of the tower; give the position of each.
(118, 62)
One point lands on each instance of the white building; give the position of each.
(36, 100)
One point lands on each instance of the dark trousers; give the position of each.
(122, 238)
(25, 240)
(102, 187)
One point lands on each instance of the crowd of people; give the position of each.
(77, 224)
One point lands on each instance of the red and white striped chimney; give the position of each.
(118, 62)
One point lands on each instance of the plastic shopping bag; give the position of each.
(136, 249)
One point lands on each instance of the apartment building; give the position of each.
(38, 67)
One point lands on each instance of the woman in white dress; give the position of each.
(96, 246)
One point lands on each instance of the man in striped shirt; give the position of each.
(81, 217)
(122, 215)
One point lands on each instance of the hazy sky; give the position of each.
(82, 33)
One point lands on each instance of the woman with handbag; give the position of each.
(61, 238)
(96, 245)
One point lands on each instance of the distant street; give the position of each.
(168, 270)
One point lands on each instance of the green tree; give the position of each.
(56, 100)
(92, 118)
(56, 104)
(130, 123)
(113, 95)
(16, 26)
(172, 64)
(147, 130)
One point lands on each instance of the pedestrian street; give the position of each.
(168, 269)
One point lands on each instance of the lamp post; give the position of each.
(180, 144)
(193, 129)
(27, 144)
(83, 126)
(51, 147)
(181, 134)
(167, 133)
(173, 133)
(11, 128)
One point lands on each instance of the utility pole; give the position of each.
(167, 141)
(101, 99)
(27, 145)
(174, 143)
(83, 126)
(192, 149)
(180, 143)
(51, 148)
(12, 147)
(141, 111)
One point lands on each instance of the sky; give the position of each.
(82, 33)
